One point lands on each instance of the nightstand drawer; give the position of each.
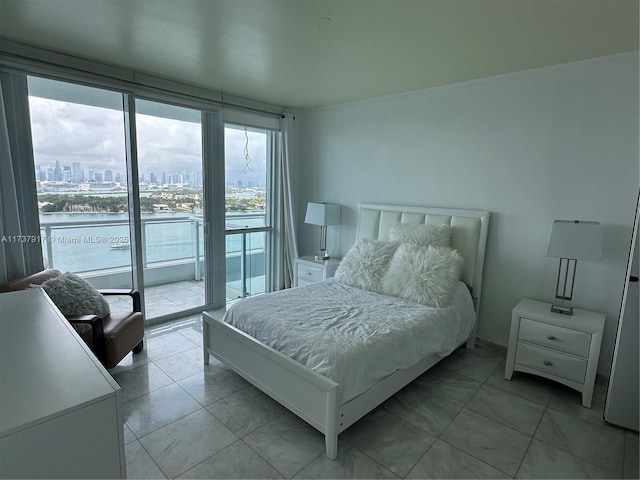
(555, 337)
(309, 274)
(551, 362)
(302, 282)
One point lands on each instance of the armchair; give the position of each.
(111, 337)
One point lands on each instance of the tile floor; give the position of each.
(461, 419)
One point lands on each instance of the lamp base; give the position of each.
(562, 309)
(564, 288)
(322, 255)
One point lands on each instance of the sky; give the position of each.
(94, 137)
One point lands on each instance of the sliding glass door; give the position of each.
(80, 165)
(141, 193)
(169, 147)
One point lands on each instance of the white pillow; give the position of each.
(421, 234)
(424, 275)
(75, 296)
(365, 264)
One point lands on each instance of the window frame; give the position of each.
(272, 139)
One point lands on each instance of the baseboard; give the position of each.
(489, 345)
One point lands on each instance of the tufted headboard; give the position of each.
(469, 230)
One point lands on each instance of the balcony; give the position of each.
(96, 247)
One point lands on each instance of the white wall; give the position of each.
(557, 142)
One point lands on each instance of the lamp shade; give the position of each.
(323, 214)
(575, 239)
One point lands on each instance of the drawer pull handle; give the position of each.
(309, 274)
(548, 363)
(551, 337)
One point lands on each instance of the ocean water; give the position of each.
(95, 245)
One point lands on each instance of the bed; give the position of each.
(320, 367)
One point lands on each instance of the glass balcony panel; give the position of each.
(165, 244)
(246, 264)
(255, 261)
(175, 269)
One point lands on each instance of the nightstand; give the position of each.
(309, 270)
(564, 348)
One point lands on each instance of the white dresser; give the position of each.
(564, 348)
(60, 410)
(309, 270)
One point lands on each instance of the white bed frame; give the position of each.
(312, 396)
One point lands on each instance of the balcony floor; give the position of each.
(173, 297)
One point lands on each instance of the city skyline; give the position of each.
(76, 175)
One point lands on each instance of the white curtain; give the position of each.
(20, 249)
(284, 246)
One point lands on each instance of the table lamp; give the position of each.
(570, 241)
(323, 214)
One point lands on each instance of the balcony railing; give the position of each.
(172, 249)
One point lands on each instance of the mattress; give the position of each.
(354, 337)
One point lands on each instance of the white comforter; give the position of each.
(353, 336)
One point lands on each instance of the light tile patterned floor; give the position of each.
(459, 420)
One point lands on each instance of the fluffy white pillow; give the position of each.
(422, 274)
(75, 296)
(365, 264)
(421, 234)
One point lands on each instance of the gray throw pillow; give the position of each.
(75, 296)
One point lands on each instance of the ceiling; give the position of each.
(308, 53)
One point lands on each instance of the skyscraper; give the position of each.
(41, 174)
(57, 172)
(77, 175)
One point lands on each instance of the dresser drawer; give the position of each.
(309, 274)
(551, 362)
(557, 338)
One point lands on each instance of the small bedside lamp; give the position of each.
(570, 241)
(323, 214)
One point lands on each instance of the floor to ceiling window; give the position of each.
(80, 164)
(169, 146)
(86, 148)
(248, 159)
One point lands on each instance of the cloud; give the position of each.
(94, 137)
(71, 133)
